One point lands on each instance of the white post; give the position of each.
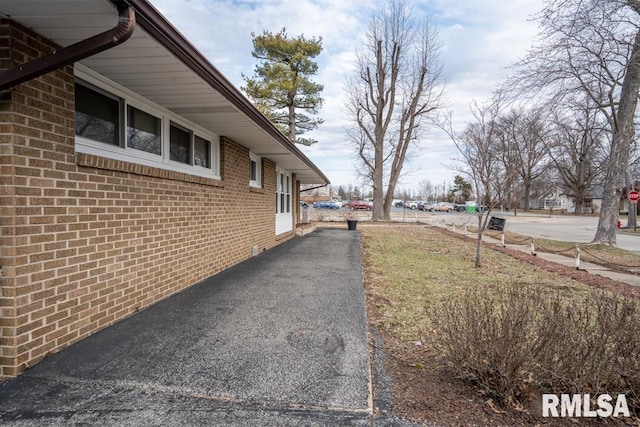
(577, 257)
(502, 239)
(533, 248)
(454, 228)
(465, 230)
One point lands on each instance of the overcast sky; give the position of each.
(480, 39)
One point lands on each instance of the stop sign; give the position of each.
(633, 196)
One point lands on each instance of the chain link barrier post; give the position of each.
(533, 247)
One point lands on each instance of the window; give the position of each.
(283, 193)
(552, 203)
(143, 131)
(255, 171)
(282, 190)
(180, 144)
(114, 122)
(98, 115)
(201, 152)
(287, 190)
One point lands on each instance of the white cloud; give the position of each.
(480, 39)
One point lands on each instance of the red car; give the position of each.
(360, 204)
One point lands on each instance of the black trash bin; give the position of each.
(351, 224)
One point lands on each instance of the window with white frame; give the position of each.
(98, 115)
(283, 193)
(144, 131)
(113, 122)
(255, 171)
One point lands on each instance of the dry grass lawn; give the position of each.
(410, 268)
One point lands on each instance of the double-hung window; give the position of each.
(283, 193)
(113, 122)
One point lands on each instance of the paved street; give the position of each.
(580, 229)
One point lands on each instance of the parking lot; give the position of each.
(567, 228)
(397, 214)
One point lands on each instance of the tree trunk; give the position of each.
(578, 207)
(292, 123)
(527, 196)
(388, 200)
(620, 146)
(632, 218)
(378, 189)
(478, 262)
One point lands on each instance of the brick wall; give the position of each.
(86, 241)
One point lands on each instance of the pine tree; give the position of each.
(281, 86)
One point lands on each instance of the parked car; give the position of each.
(360, 205)
(304, 204)
(411, 204)
(459, 207)
(426, 206)
(338, 202)
(325, 205)
(398, 203)
(443, 207)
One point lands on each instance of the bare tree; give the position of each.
(577, 148)
(480, 149)
(523, 132)
(398, 83)
(593, 47)
(425, 188)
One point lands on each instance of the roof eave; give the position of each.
(166, 34)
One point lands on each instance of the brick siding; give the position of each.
(86, 241)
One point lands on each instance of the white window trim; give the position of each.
(131, 155)
(284, 219)
(257, 183)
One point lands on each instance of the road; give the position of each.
(581, 229)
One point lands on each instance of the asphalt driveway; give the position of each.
(280, 339)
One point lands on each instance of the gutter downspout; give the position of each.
(73, 53)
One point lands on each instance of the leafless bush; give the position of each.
(517, 341)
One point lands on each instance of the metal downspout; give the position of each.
(73, 53)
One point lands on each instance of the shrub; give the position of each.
(519, 341)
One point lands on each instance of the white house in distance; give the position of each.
(130, 167)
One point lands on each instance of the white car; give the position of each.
(411, 204)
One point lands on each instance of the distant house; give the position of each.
(131, 169)
(556, 199)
